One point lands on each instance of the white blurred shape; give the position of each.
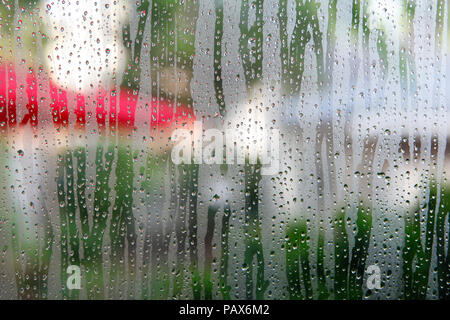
(85, 42)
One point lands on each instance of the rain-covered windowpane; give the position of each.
(226, 149)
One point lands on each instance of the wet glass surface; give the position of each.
(227, 149)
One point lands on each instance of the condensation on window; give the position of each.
(227, 149)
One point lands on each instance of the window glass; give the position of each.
(226, 149)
